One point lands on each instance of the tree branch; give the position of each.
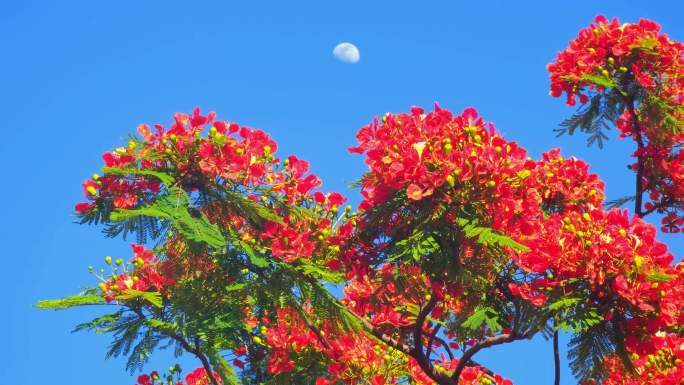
(493, 341)
(556, 358)
(196, 351)
(636, 127)
(432, 340)
(417, 351)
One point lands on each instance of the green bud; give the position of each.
(451, 180)
(448, 148)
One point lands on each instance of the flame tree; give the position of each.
(461, 241)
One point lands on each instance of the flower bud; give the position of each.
(451, 181)
(448, 148)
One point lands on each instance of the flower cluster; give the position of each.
(143, 273)
(461, 241)
(230, 158)
(351, 358)
(196, 377)
(659, 365)
(553, 207)
(615, 51)
(643, 72)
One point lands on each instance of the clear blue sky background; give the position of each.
(77, 77)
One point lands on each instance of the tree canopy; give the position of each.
(461, 242)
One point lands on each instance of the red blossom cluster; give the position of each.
(661, 364)
(147, 273)
(232, 158)
(351, 358)
(644, 70)
(444, 165)
(196, 377)
(454, 221)
(610, 49)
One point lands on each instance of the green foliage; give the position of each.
(254, 211)
(320, 273)
(86, 298)
(144, 228)
(588, 349)
(486, 236)
(564, 304)
(167, 179)
(483, 315)
(152, 297)
(657, 276)
(619, 201)
(225, 371)
(594, 117)
(174, 206)
(417, 246)
(256, 259)
(579, 320)
(600, 80)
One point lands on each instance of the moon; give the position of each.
(347, 53)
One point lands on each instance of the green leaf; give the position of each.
(163, 177)
(483, 315)
(71, 301)
(656, 276)
(486, 236)
(257, 260)
(100, 324)
(161, 325)
(225, 371)
(564, 303)
(417, 246)
(174, 206)
(152, 297)
(600, 80)
(252, 210)
(318, 272)
(236, 287)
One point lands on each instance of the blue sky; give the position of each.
(77, 77)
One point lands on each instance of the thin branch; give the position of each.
(314, 329)
(493, 341)
(205, 362)
(417, 352)
(446, 347)
(636, 127)
(556, 356)
(428, 351)
(196, 351)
